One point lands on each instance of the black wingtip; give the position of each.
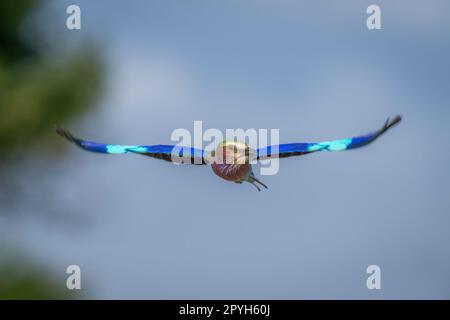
(63, 133)
(394, 121)
(390, 123)
(66, 134)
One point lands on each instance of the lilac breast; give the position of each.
(231, 172)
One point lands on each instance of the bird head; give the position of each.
(233, 152)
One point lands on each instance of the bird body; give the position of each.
(231, 172)
(231, 160)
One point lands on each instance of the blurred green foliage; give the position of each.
(33, 98)
(38, 89)
(21, 280)
(12, 14)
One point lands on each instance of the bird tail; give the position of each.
(252, 179)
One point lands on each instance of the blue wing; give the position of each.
(298, 149)
(163, 152)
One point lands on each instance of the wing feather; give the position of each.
(170, 153)
(298, 149)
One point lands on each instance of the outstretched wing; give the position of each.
(298, 149)
(164, 152)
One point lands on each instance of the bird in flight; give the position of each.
(231, 160)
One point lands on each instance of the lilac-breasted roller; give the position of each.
(231, 160)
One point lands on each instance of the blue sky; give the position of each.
(148, 229)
